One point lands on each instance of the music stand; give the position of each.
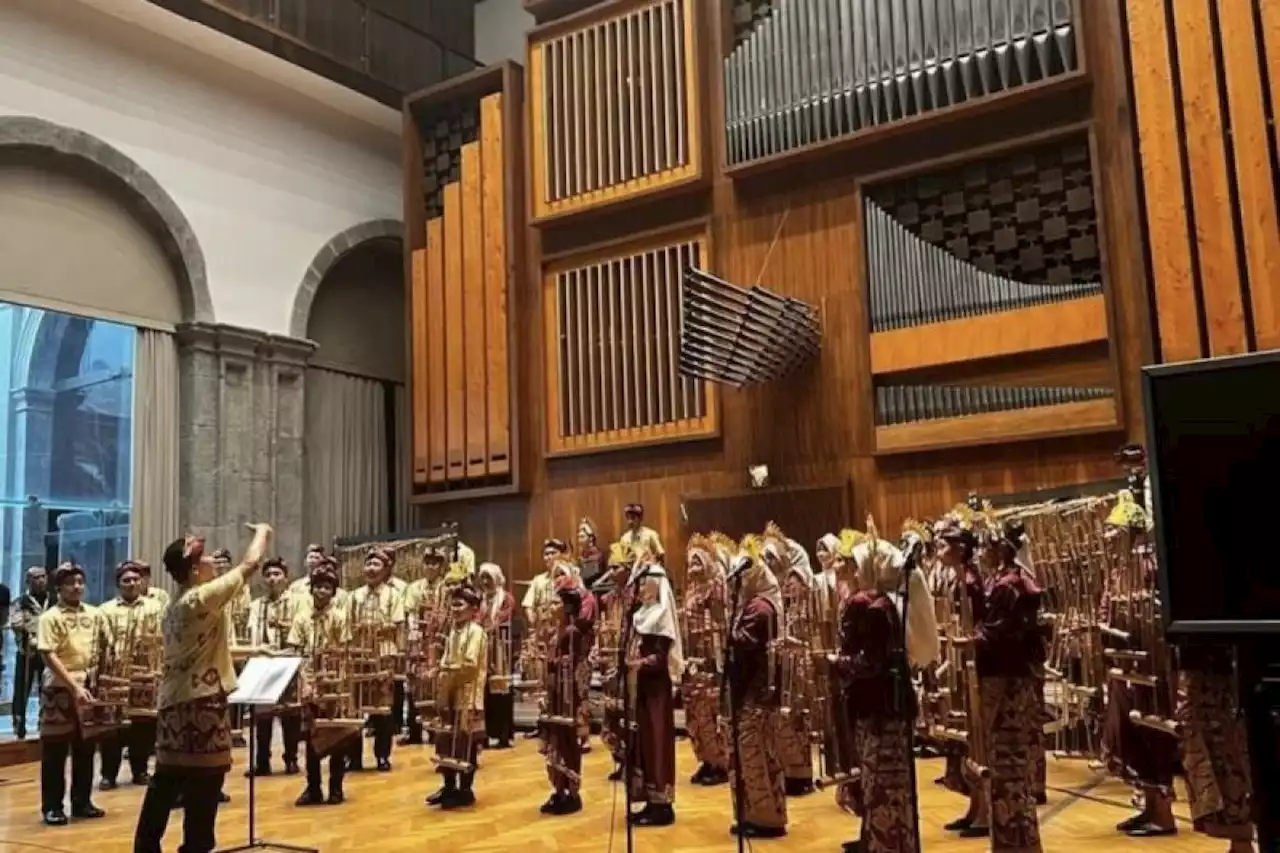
(263, 682)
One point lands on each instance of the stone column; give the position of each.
(241, 434)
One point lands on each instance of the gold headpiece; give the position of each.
(457, 573)
(773, 531)
(919, 528)
(849, 539)
(701, 542)
(1126, 513)
(751, 546)
(621, 555)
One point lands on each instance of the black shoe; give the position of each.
(291, 768)
(310, 797)
(141, 779)
(439, 796)
(458, 800)
(258, 771)
(615, 775)
(107, 785)
(569, 804)
(1151, 830)
(972, 831)
(751, 830)
(552, 803)
(336, 797)
(55, 817)
(852, 846)
(410, 740)
(959, 824)
(224, 797)
(1042, 799)
(87, 812)
(1131, 822)
(798, 787)
(715, 776)
(655, 816)
(384, 765)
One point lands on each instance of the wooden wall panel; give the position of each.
(797, 233)
(494, 151)
(1209, 171)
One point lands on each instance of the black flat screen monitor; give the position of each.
(1213, 447)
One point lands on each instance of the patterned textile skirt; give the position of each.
(1216, 758)
(884, 786)
(59, 720)
(612, 732)
(1012, 710)
(702, 723)
(195, 735)
(794, 748)
(763, 788)
(457, 736)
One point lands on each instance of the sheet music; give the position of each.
(264, 680)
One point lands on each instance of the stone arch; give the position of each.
(338, 247)
(147, 199)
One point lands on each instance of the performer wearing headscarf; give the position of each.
(134, 622)
(376, 605)
(756, 773)
(570, 675)
(705, 623)
(639, 538)
(590, 557)
(655, 663)
(568, 572)
(496, 611)
(463, 678)
(321, 634)
(879, 699)
(29, 670)
(1010, 653)
(193, 740)
(616, 596)
(794, 738)
(465, 557)
(71, 637)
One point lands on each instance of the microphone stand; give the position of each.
(900, 666)
(624, 694)
(726, 691)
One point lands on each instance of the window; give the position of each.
(66, 437)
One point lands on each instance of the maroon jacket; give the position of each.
(1008, 640)
(749, 670)
(870, 633)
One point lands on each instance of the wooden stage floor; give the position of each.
(385, 813)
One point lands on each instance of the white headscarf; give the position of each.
(884, 563)
(759, 580)
(659, 618)
(492, 570)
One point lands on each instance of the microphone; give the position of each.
(740, 565)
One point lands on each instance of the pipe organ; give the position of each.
(464, 212)
(813, 71)
(612, 347)
(985, 299)
(614, 105)
(741, 336)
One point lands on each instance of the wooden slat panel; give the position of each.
(436, 350)
(454, 330)
(418, 367)
(999, 427)
(552, 366)
(1269, 15)
(474, 310)
(1248, 110)
(1210, 188)
(1162, 182)
(492, 151)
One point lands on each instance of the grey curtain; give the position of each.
(153, 514)
(346, 457)
(404, 516)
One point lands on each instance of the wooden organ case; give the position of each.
(464, 213)
(615, 111)
(612, 346)
(985, 282)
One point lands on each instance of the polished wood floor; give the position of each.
(385, 812)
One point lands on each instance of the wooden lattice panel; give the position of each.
(614, 105)
(612, 348)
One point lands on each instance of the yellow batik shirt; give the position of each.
(159, 596)
(131, 620)
(322, 629)
(540, 591)
(382, 606)
(270, 620)
(464, 665)
(303, 602)
(197, 641)
(644, 539)
(76, 635)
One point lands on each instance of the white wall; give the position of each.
(265, 176)
(500, 29)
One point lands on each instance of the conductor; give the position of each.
(193, 734)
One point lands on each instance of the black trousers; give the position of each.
(139, 737)
(383, 733)
(337, 768)
(199, 792)
(500, 716)
(29, 669)
(290, 730)
(453, 779)
(53, 774)
(399, 699)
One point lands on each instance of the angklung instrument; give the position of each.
(836, 759)
(108, 681)
(376, 653)
(457, 722)
(327, 688)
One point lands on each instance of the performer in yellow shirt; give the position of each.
(639, 538)
(70, 637)
(270, 618)
(193, 737)
(377, 607)
(459, 729)
(134, 620)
